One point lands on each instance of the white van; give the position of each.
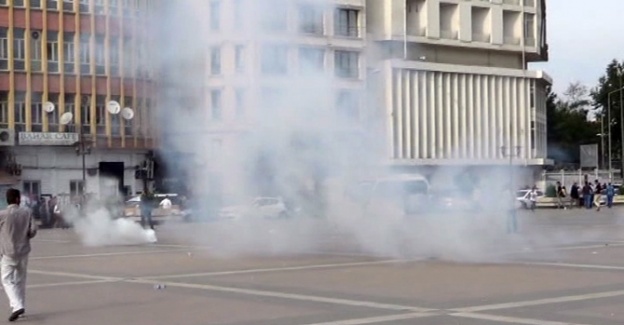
(406, 192)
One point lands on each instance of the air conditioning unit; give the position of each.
(7, 137)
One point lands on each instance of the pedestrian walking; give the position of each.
(17, 228)
(610, 195)
(597, 195)
(574, 195)
(533, 198)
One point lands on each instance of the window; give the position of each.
(76, 188)
(98, 7)
(100, 55)
(36, 54)
(128, 123)
(19, 49)
(52, 4)
(276, 19)
(4, 48)
(52, 49)
(113, 7)
(68, 5)
(4, 3)
(529, 29)
(238, 13)
(239, 56)
(346, 23)
(311, 59)
(32, 189)
(84, 6)
(20, 111)
(113, 56)
(128, 63)
(85, 54)
(18, 3)
(215, 60)
(215, 15)
(100, 114)
(36, 112)
(35, 4)
(115, 119)
(347, 64)
(239, 97)
(4, 109)
(53, 117)
(274, 59)
(347, 105)
(70, 105)
(68, 52)
(215, 105)
(85, 113)
(310, 19)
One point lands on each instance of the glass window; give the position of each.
(346, 22)
(4, 48)
(310, 19)
(69, 54)
(19, 49)
(215, 60)
(36, 112)
(216, 105)
(274, 59)
(347, 64)
(20, 111)
(4, 109)
(52, 48)
(215, 15)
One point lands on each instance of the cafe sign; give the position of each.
(47, 139)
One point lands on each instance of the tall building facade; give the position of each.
(455, 88)
(258, 60)
(78, 57)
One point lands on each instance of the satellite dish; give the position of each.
(127, 113)
(66, 118)
(48, 107)
(113, 107)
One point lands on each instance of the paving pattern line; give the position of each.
(285, 295)
(541, 302)
(575, 266)
(379, 319)
(145, 252)
(512, 320)
(278, 269)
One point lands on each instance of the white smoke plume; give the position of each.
(101, 223)
(298, 141)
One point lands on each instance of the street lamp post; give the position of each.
(609, 129)
(83, 150)
(508, 152)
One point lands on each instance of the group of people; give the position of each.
(588, 195)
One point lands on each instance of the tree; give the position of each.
(608, 89)
(568, 125)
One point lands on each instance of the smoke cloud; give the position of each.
(304, 136)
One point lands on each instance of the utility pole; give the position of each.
(512, 222)
(83, 150)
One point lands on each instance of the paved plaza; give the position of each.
(573, 279)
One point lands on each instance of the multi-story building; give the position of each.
(264, 58)
(455, 88)
(74, 56)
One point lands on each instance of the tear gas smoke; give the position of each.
(100, 223)
(295, 131)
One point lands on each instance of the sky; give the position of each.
(583, 36)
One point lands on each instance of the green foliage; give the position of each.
(567, 124)
(551, 191)
(610, 83)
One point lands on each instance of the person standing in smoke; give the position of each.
(17, 228)
(146, 210)
(610, 194)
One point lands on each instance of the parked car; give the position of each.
(132, 208)
(260, 207)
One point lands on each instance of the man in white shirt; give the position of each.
(17, 228)
(166, 203)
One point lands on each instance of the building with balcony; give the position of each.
(455, 88)
(74, 56)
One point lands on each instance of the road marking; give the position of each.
(76, 275)
(52, 241)
(278, 269)
(284, 295)
(539, 302)
(514, 320)
(62, 284)
(576, 266)
(145, 252)
(380, 319)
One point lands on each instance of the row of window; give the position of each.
(310, 18)
(37, 112)
(76, 51)
(347, 103)
(130, 8)
(274, 61)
